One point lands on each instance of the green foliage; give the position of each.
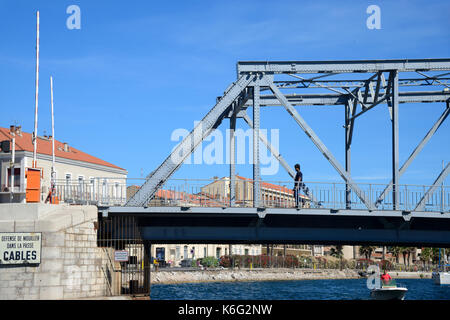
(209, 262)
(337, 252)
(426, 255)
(367, 251)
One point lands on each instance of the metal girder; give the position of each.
(341, 66)
(348, 137)
(322, 148)
(234, 225)
(256, 164)
(395, 130)
(407, 82)
(434, 79)
(416, 151)
(330, 99)
(233, 158)
(200, 132)
(421, 205)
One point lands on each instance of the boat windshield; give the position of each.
(388, 283)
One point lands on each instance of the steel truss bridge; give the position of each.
(357, 87)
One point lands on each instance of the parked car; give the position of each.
(186, 263)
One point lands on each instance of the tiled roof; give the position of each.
(270, 185)
(44, 146)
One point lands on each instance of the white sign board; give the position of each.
(120, 255)
(20, 248)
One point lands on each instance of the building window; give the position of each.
(16, 177)
(246, 252)
(117, 187)
(218, 252)
(204, 252)
(185, 252)
(177, 255)
(68, 190)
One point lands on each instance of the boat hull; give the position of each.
(388, 293)
(441, 277)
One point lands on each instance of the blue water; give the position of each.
(349, 289)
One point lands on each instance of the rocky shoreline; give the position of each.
(173, 277)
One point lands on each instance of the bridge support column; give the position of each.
(348, 138)
(232, 160)
(147, 266)
(256, 168)
(395, 154)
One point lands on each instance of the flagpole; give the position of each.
(37, 93)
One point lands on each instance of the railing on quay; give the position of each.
(273, 194)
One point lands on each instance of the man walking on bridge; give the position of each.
(298, 184)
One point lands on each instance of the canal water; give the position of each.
(348, 289)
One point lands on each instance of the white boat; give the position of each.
(389, 291)
(441, 277)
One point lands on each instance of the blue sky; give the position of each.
(135, 72)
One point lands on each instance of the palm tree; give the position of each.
(338, 253)
(410, 251)
(395, 252)
(425, 255)
(367, 251)
(404, 251)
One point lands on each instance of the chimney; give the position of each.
(66, 147)
(50, 138)
(19, 130)
(12, 129)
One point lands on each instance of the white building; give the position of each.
(79, 175)
(175, 253)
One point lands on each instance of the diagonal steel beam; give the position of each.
(433, 78)
(189, 143)
(319, 144)
(278, 156)
(318, 84)
(421, 205)
(416, 151)
(271, 148)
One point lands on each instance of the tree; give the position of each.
(367, 251)
(338, 253)
(404, 251)
(425, 255)
(410, 251)
(395, 252)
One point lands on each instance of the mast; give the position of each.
(53, 137)
(37, 92)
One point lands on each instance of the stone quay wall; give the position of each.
(72, 266)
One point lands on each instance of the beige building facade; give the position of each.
(173, 254)
(79, 176)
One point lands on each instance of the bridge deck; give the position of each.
(283, 225)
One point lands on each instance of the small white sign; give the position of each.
(121, 255)
(20, 248)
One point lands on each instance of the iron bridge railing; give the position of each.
(273, 194)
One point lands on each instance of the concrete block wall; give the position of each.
(71, 263)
